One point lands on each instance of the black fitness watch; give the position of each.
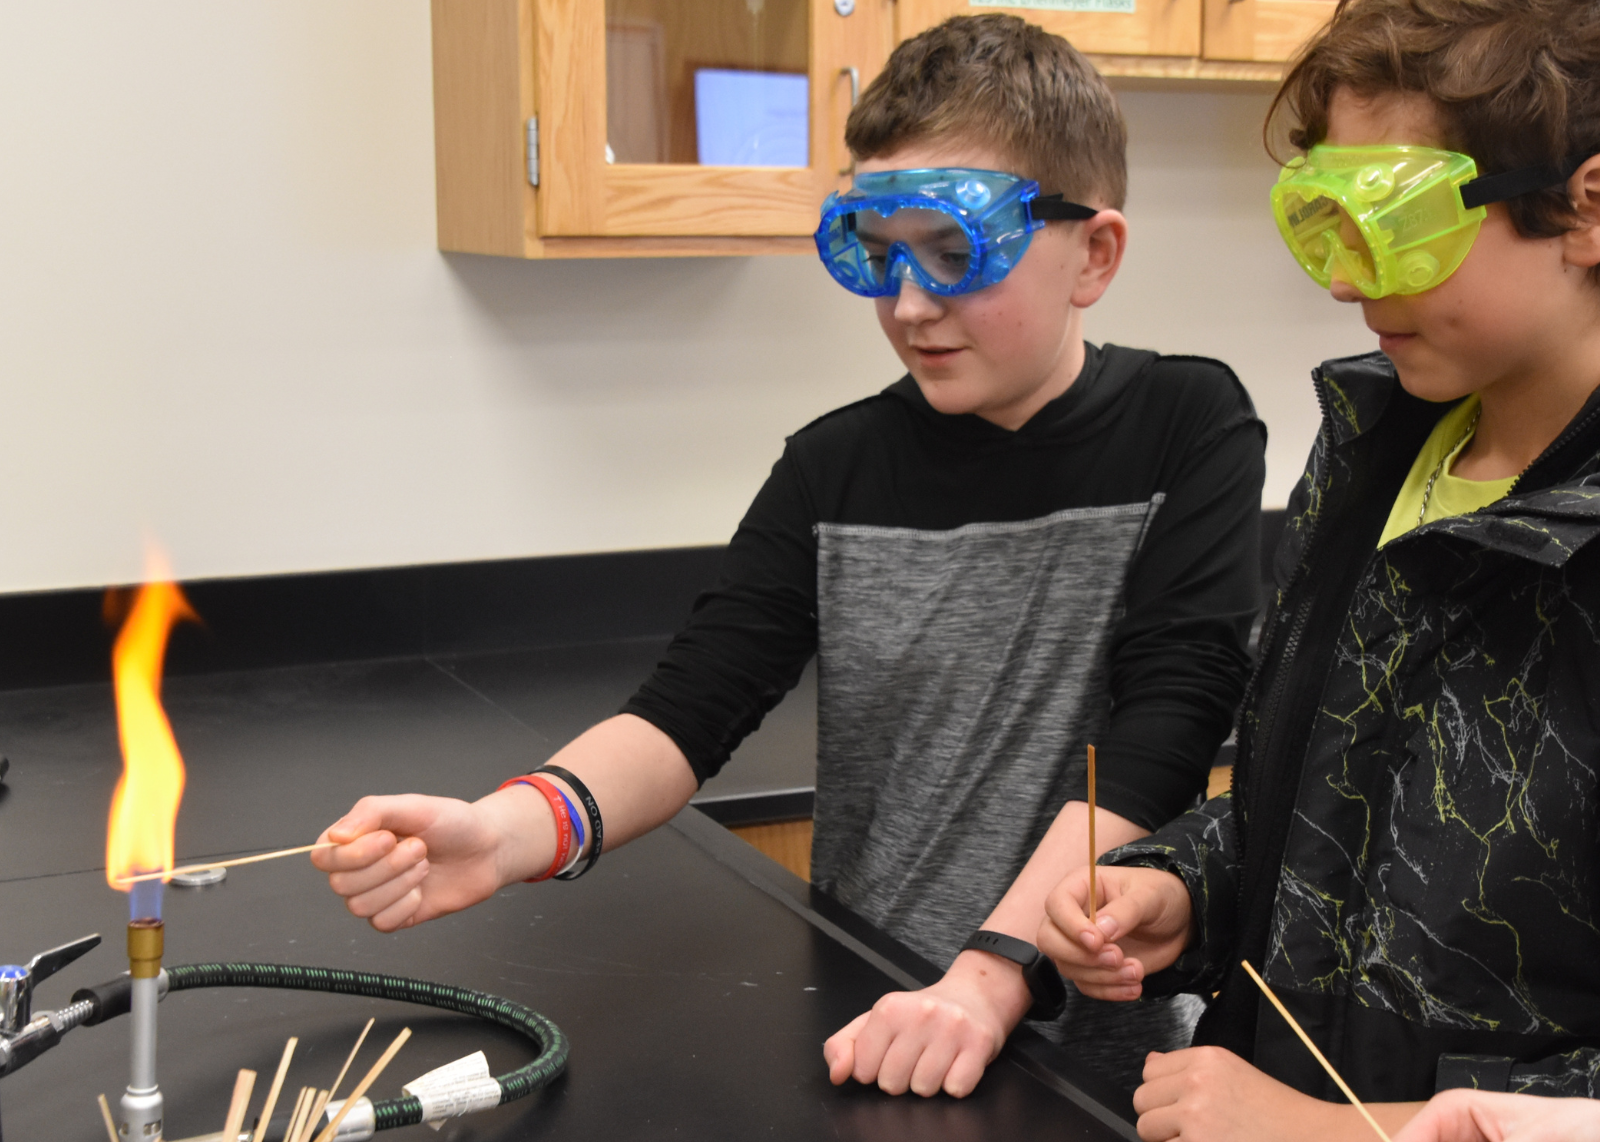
(1044, 982)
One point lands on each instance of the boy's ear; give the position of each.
(1581, 245)
(1106, 238)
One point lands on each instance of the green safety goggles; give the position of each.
(1391, 219)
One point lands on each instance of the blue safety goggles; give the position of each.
(950, 231)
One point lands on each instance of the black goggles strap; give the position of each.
(1514, 184)
(1055, 208)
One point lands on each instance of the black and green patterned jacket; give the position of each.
(1411, 850)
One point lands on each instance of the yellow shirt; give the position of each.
(1452, 495)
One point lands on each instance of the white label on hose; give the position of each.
(473, 1066)
(455, 1089)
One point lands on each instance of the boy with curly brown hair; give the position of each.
(1411, 849)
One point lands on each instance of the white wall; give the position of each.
(223, 322)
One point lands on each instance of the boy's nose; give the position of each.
(1343, 290)
(914, 305)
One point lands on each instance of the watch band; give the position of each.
(1002, 945)
(1038, 972)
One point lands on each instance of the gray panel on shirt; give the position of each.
(961, 674)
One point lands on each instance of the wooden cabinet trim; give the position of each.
(569, 42)
(1168, 69)
(665, 200)
(1155, 27)
(478, 104)
(1263, 31)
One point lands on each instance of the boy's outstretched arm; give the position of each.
(406, 859)
(944, 1036)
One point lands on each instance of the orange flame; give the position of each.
(144, 808)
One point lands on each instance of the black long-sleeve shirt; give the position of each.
(1134, 426)
(984, 604)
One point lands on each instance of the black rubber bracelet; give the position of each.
(1038, 972)
(591, 807)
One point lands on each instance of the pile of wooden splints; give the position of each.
(309, 1106)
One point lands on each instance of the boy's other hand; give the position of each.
(1485, 1116)
(1141, 927)
(1207, 1094)
(939, 1038)
(402, 860)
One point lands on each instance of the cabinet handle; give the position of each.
(853, 74)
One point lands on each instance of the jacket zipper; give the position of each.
(1283, 654)
(1302, 614)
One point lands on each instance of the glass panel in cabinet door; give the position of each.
(708, 82)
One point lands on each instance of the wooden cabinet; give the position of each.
(568, 128)
(1136, 28)
(578, 128)
(1262, 31)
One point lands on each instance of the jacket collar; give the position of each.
(1548, 527)
(1552, 511)
(1354, 393)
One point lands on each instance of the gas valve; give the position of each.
(25, 1036)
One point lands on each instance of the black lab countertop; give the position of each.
(695, 978)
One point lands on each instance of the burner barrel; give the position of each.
(142, 1104)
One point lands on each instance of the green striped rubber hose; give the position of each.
(407, 1111)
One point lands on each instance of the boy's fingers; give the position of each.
(398, 861)
(839, 1052)
(383, 896)
(1066, 910)
(1118, 917)
(899, 1063)
(401, 914)
(1123, 973)
(872, 1041)
(404, 815)
(365, 850)
(1112, 993)
(962, 1078)
(1160, 1065)
(1160, 1125)
(365, 816)
(840, 1063)
(929, 1075)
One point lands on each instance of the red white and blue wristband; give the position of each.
(558, 808)
(567, 819)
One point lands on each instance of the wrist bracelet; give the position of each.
(572, 815)
(592, 808)
(563, 822)
(1038, 972)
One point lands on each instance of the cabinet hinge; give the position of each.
(533, 151)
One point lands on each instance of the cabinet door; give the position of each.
(1264, 31)
(1115, 27)
(696, 118)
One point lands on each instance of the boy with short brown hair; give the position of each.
(1026, 545)
(1410, 852)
